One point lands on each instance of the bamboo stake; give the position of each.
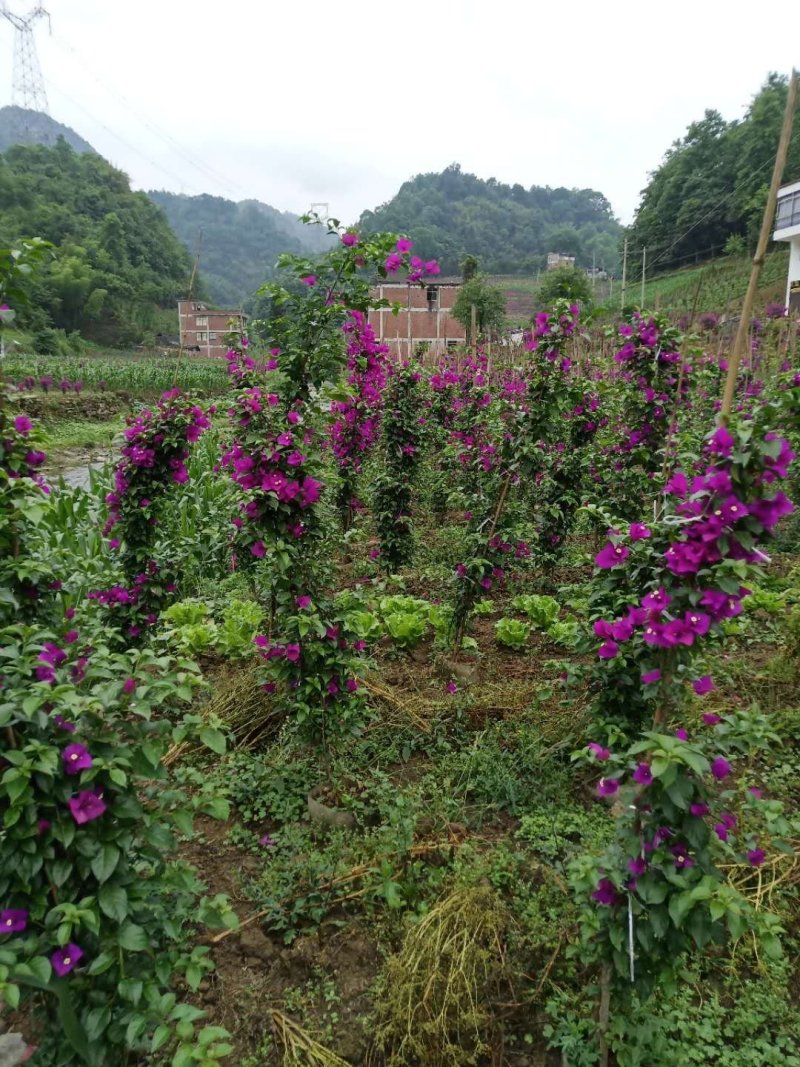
(743, 331)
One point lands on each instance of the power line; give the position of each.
(113, 133)
(198, 164)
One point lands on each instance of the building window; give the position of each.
(433, 297)
(212, 337)
(788, 213)
(452, 344)
(202, 320)
(202, 337)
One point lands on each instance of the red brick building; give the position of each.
(426, 316)
(203, 329)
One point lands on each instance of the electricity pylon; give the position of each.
(28, 84)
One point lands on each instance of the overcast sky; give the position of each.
(304, 101)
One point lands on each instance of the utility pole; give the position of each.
(644, 268)
(27, 89)
(594, 274)
(624, 270)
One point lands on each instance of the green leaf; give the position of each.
(105, 862)
(213, 739)
(40, 966)
(101, 963)
(131, 989)
(679, 907)
(160, 1036)
(217, 808)
(97, 1022)
(113, 902)
(133, 938)
(136, 1027)
(11, 996)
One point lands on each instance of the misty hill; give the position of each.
(241, 241)
(509, 228)
(18, 125)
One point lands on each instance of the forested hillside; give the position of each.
(117, 261)
(19, 125)
(241, 241)
(712, 186)
(509, 228)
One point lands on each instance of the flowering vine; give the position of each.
(157, 442)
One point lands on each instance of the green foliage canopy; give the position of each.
(117, 261)
(509, 228)
(713, 182)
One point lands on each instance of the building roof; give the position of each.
(433, 280)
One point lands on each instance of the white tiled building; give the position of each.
(787, 228)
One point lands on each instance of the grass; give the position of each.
(721, 284)
(82, 433)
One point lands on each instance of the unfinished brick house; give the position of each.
(203, 329)
(425, 318)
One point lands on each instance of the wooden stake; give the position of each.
(624, 272)
(743, 332)
(473, 329)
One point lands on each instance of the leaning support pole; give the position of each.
(743, 333)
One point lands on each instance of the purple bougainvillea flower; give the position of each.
(64, 724)
(697, 621)
(657, 600)
(611, 555)
(86, 806)
(704, 684)
(451, 687)
(720, 768)
(349, 239)
(129, 685)
(721, 442)
(685, 557)
(622, 630)
(76, 758)
(352, 685)
(23, 425)
(643, 775)
(309, 279)
(303, 602)
(598, 751)
(404, 244)
(677, 485)
(266, 841)
(728, 820)
(608, 650)
(258, 549)
(651, 676)
(607, 787)
(721, 831)
(710, 718)
(698, 810)
(66, 959)
(13, 920)
(681, 734)
(637, 531)
(756, 856)
(606, 893)
(754, 791)
(293, 653)
(637, 866)
(602, 628)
